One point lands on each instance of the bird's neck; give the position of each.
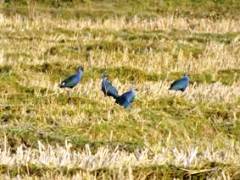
(79, 72)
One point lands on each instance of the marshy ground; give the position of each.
(47, 134)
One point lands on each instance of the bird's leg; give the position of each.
(69, 96)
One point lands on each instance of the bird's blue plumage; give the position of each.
(180, 84)
(108, 89)
(72, 80)
(126, 98)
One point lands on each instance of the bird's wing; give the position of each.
(112, 91)
(129, 96)
(109, 89)
(126, 99)
(178, 84)
(71, 80)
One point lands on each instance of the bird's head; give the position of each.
(186, 75)
(104, 75)
(134, 91)
(80, 68)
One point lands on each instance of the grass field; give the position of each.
(146, 44)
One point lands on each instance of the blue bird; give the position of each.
(126, 98)
(180, 84)
(107, 87)
(72, 80)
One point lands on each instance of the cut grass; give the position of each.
(140, 44)
(105, 9)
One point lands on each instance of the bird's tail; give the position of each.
(61, 85)
(116, 97)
